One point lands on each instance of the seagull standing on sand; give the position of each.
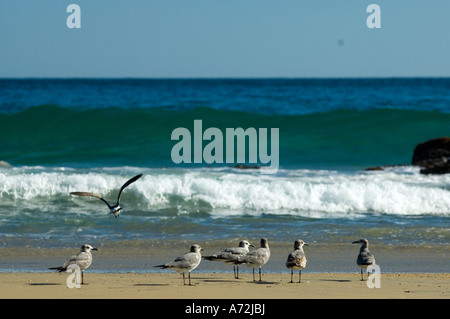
(185, 263)
(231, 256)
(297, 260)
(257, 258)
(83, 260)
(113, 209)
(365, 257)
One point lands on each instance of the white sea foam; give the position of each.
(233, 192)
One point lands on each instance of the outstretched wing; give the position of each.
(132, 180)
(91, 195)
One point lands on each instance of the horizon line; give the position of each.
(220, 78)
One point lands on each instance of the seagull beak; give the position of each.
(356, 242)
(305, 244)
(94, 248)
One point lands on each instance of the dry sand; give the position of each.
(223, 286)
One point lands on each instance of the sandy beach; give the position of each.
(224, 286)
(124, 270)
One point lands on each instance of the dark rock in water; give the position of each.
(433, 156)
(438, 169)
(375, 168)
(240, 166)
(436, 151)
(381, 168)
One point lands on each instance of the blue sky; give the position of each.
(224, 38)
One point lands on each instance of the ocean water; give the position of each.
(92, 135)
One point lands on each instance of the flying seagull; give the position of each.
(365, 257)
(232, 256)
(297, 260)
(113, 209)
(83, 260)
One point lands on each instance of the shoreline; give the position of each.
(141, 256)
(224, 286)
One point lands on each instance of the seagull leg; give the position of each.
(82, 278)
(362, 275)
(254, 274)
(259, 273)
(184, 282)
(189, 275)
(299, 276)
(292, 273)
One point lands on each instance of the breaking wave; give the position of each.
(230, 192)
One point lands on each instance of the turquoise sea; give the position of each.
(64, 135)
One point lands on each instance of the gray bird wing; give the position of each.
(236, 251)
(187, 261)
(365, 257)
(127, 183)
(257, 257)
(87, 194)
(230, 255)
(82, 259)
(296, 259)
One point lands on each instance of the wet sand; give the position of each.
(140, 256)
(223, 286)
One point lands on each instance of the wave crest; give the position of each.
(227, 192)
